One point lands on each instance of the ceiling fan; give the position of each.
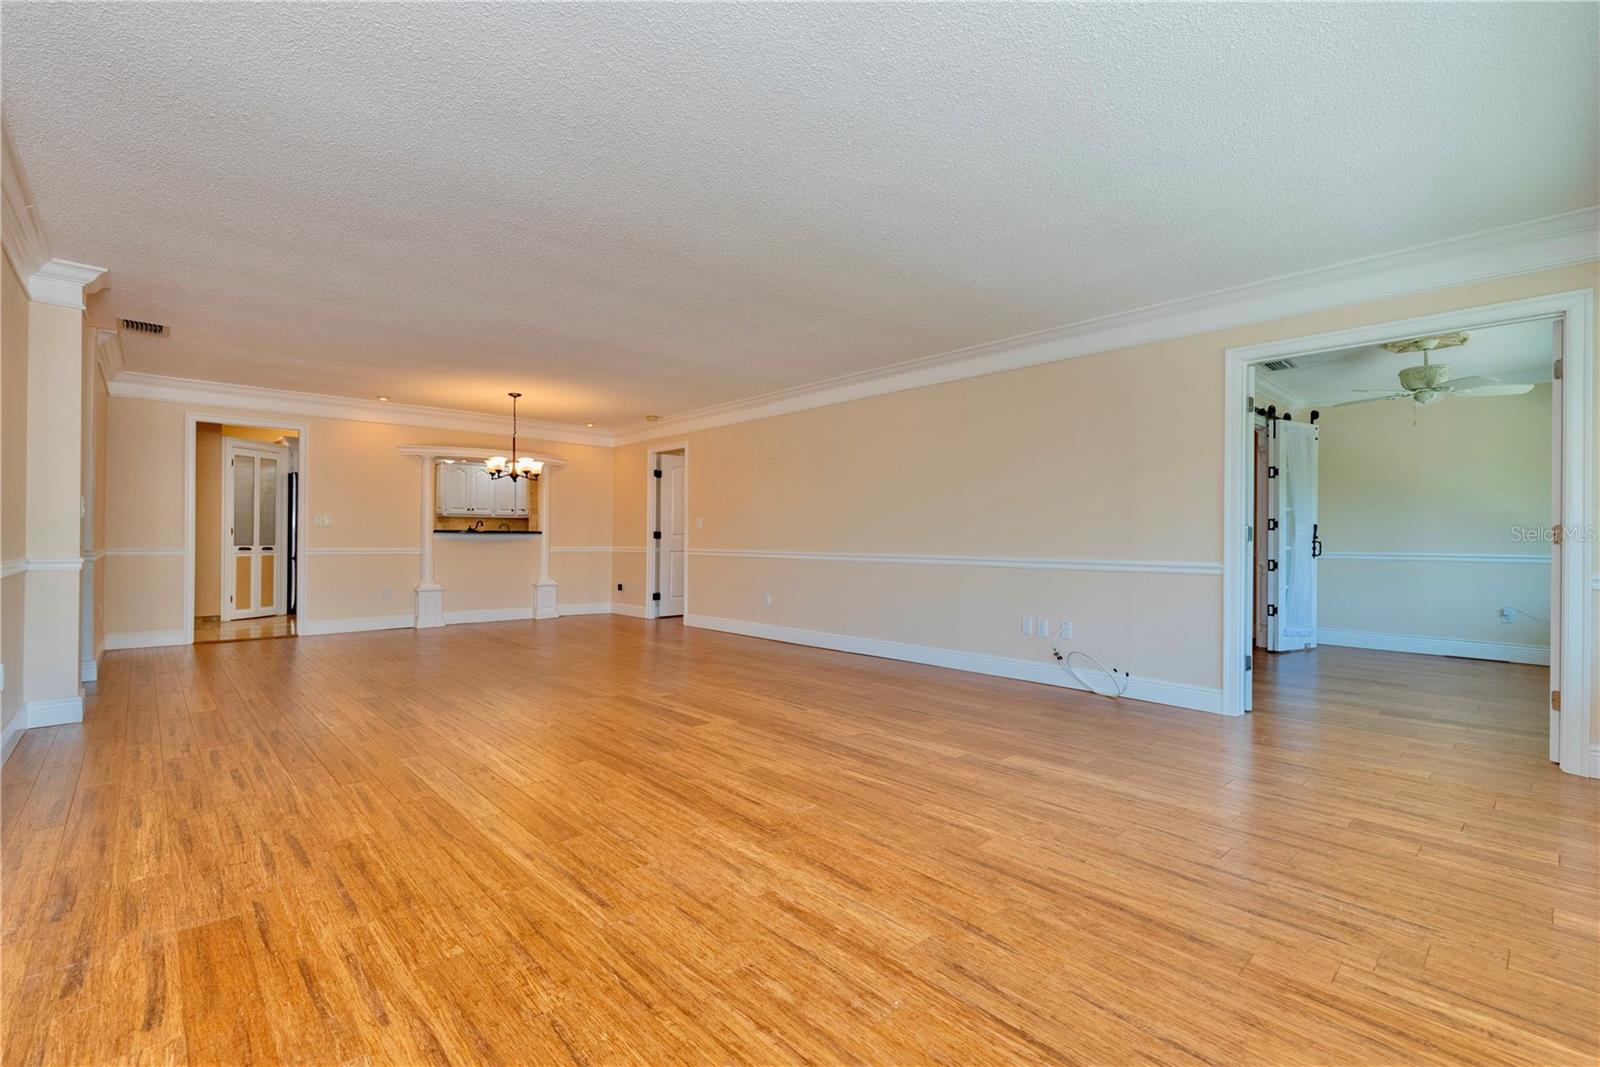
(1428, 382)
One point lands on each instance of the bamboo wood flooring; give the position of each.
(600, 841)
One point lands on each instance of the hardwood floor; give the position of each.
(209, 628)
(599, 840)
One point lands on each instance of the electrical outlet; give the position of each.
(699, 523)
(767, 599)
(1027, 625)
(1507, 616)
(1042, 628)
(388, 592)
(1064, 632)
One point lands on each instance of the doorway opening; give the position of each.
(245, 531)
(667, 554)
(1407, 527)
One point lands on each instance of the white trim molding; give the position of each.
(89, 670)
(599, 608)
(1141, 566)
(59, 563)
(52, 712)
(13, 733)
(1556, 241)
(634, 611)
(1422, 645)
(522, 614)
(1574, 628)
(144, 639)
(1171, 694)
(1442, 557)
(322, 627)
(588, 548)
(143, 552)
(134, 385)
(64, 283)
(13, 567)
(411, 550)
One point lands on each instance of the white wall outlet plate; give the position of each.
(1042, 628)
(1027, 625)
(1065, 631)
(767, 600)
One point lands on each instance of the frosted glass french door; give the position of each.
(255, 521)
(1291, 536)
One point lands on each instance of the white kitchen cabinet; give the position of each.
(467, 489)
(453, 495)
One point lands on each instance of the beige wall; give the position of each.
(1111, 457)
(13, 483)
(1452, 479)
(353, 472)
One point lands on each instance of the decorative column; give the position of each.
(53, 495)
(430, 594)
(544, 590)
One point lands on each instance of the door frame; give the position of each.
(652, 547)
(280, 592)
(1576, 632)
(191, 420)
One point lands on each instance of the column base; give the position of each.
(430, 606)
(544, 600)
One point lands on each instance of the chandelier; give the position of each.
(518, 466)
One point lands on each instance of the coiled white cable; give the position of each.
(1118, 682)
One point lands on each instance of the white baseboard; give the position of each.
(145, 639)
(634, 610)
(1173, 694)
(1436, 646)
(490, 615)
(52, 712)
(321, 627)
(89, 670)
(585, 609)
(13, 733)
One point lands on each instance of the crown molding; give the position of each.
(133, 385)
(20, 231)
(107, 353)
(1272, 393)
(1543, 244)
(65, 283)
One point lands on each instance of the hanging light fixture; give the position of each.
(517, 466)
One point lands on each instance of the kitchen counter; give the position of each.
(487, 533)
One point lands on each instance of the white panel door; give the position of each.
(1291, 535)
(671, 559)
(255, 521)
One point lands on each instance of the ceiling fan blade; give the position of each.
(1475, 382)
(1494, 390)
(1362, 400)
(1391, 392)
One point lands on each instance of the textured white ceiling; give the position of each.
(1517, 353)
(623, 209)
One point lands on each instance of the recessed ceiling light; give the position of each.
(383, 399)
(652, 418)
(588, 424)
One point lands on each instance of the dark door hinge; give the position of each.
(655, 596)
(656, 473)
(657, 535)
(1272, 609)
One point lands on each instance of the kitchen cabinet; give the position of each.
(467, 489)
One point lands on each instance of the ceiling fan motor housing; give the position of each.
(1425, 376)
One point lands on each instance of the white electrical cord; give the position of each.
(1118, 682)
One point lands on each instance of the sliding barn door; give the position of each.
(255, 519)
(1291, 536)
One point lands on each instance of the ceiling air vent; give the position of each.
(1279, 364)
(143, 327)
